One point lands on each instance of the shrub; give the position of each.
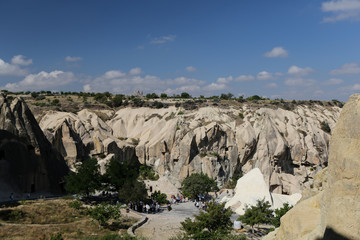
(241, 115)
(214, 223)
(75, 204)
(198, 183)
(159, 197)
(260, 213)
(104, 212)
(325, 127)
(279, 213)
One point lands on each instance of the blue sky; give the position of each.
(306, 49)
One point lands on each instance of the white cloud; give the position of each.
(73, 59)
(11, 69)
(277, 52)
(87, 88)
(42, 81)
(300, 82)
(356, 87)
(215, 87)
(223, 80)
(20, 60)
(334, 81)
(244, 78)
(191, 69)
(295, 70)
(271, 85)
(135, 71)
(264, 75)
(163, 39)
(347, 68)
(184, 81)
(341, 10)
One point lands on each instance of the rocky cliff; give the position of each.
(288, 146)
(332, 211)
(28, 162)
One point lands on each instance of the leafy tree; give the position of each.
(132, 191)
(185, 95)
(159, 197)
(214, 223)
(227, 96)
(163, 95)
(104, 212)
(279, 213)
(117, 100)
(260, 213)
(198, 183)
(117, 174)
(86, 179)
(254, 98)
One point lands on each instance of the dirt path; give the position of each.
(166, 224)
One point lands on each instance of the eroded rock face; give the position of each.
(79, 136)
(28, 162)
(333, 213)
(288, 147)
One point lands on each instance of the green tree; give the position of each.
(214, 223)
(198, 183)
(226, 96)
(163, 95)
(159, 197)
(117, 173)
(104, 212)
(117, 100)
(185, 95)
(260, 213)
(132, 191)
(279, 213)
(86, 179)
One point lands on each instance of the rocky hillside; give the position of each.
(331, 209)
(28, 162)
(288, 146)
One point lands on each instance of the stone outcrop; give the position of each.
(289, 147)
(252, 187)
(28, 162)
(78, 136)
(332, 213)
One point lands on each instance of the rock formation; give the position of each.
(251, 188)
(334, 212)
(28, 162)
(289, 147)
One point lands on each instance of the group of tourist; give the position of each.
(142, 207)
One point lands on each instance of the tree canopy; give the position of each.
(198, 183)
(211, 224)
(260, 213)
(86, 180)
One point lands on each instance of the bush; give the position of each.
(75, 204)
(196, 184)
(260, 213)
(159, 197)
(104, 212)
(279, 213)
(214, 223)
(325, 127)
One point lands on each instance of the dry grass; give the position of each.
(41, 219)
